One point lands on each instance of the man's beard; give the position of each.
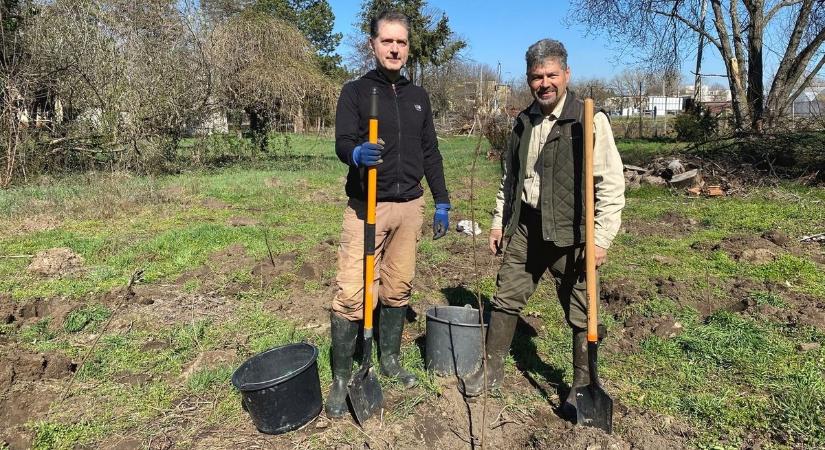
(547, 104)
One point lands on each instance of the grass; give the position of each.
(726, 375)
(640, 151)
(50, 435)
(730, 374)
(89, 317)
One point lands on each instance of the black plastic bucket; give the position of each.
(280, 387)
(453, 344)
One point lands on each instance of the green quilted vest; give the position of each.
(562, 175)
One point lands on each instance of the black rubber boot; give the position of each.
(581, 372)
(390, 327)
(344, 336)
(500, 333)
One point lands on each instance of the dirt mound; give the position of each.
(8, 308)
(24, 366)
(448, 421)
(213, 275)
(209, 360)
(638, 327)
(20, 314)
(620, 293)
(265, 272)
(681, 223)
(39, 222)
(243, 222)
(311, 289)
(158, 305)
(21, 406)
(636, 431)
(213, 203)
(670, 224)
(752, 249)
(55, 262)
(778, 237)
(792, 309)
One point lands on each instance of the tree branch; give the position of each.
(779, 6)
(796, 34)
(738, 50)
(690, 25)
(806, 82)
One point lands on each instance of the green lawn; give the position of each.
(729, 375)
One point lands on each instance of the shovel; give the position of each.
(594, 407)
(364, 389)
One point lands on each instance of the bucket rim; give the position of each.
(452, 322)
(248, 387)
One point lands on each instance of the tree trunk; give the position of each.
(786, 84)
(298, 121)
(738, 102)
(755, 95)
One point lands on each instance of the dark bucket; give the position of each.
(280, 387)
(453, 344)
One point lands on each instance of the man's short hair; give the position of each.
(544, 49)
(388, 15)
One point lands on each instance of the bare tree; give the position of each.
(598, 89)
(266, 67)
(130, 78)
(738, 30)
(131, 74)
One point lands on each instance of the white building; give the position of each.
(653, 104)
(810, 103)
(665, 105)
(706, 94)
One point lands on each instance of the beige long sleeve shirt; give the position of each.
(607, 172)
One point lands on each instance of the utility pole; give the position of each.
(495, 91)
(697, 84)
(640, 110)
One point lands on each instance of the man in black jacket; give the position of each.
(407, 151)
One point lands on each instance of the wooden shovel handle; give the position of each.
(590, 225)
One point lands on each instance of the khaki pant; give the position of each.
(527, 257)
(397, 231)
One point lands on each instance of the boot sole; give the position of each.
(334, 415)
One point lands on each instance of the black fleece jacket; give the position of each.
(405, 123)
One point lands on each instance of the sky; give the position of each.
(501, 31)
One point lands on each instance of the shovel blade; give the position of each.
(365, 394)
(594, 408)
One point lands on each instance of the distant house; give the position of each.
(658, 105)
(810, 103)
(706, 94)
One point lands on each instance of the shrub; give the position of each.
(497, 131)
(695, 125)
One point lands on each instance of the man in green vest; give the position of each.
(540, 212)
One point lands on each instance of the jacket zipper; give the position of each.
(398, 167)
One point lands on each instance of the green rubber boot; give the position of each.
(500, 333)
(581, 371)
(344, 336)
(390, 327)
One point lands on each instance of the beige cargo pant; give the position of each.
(397, 231)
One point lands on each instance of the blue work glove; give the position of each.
(367, 154)
(441, 220)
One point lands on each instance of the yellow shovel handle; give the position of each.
(369, 226)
